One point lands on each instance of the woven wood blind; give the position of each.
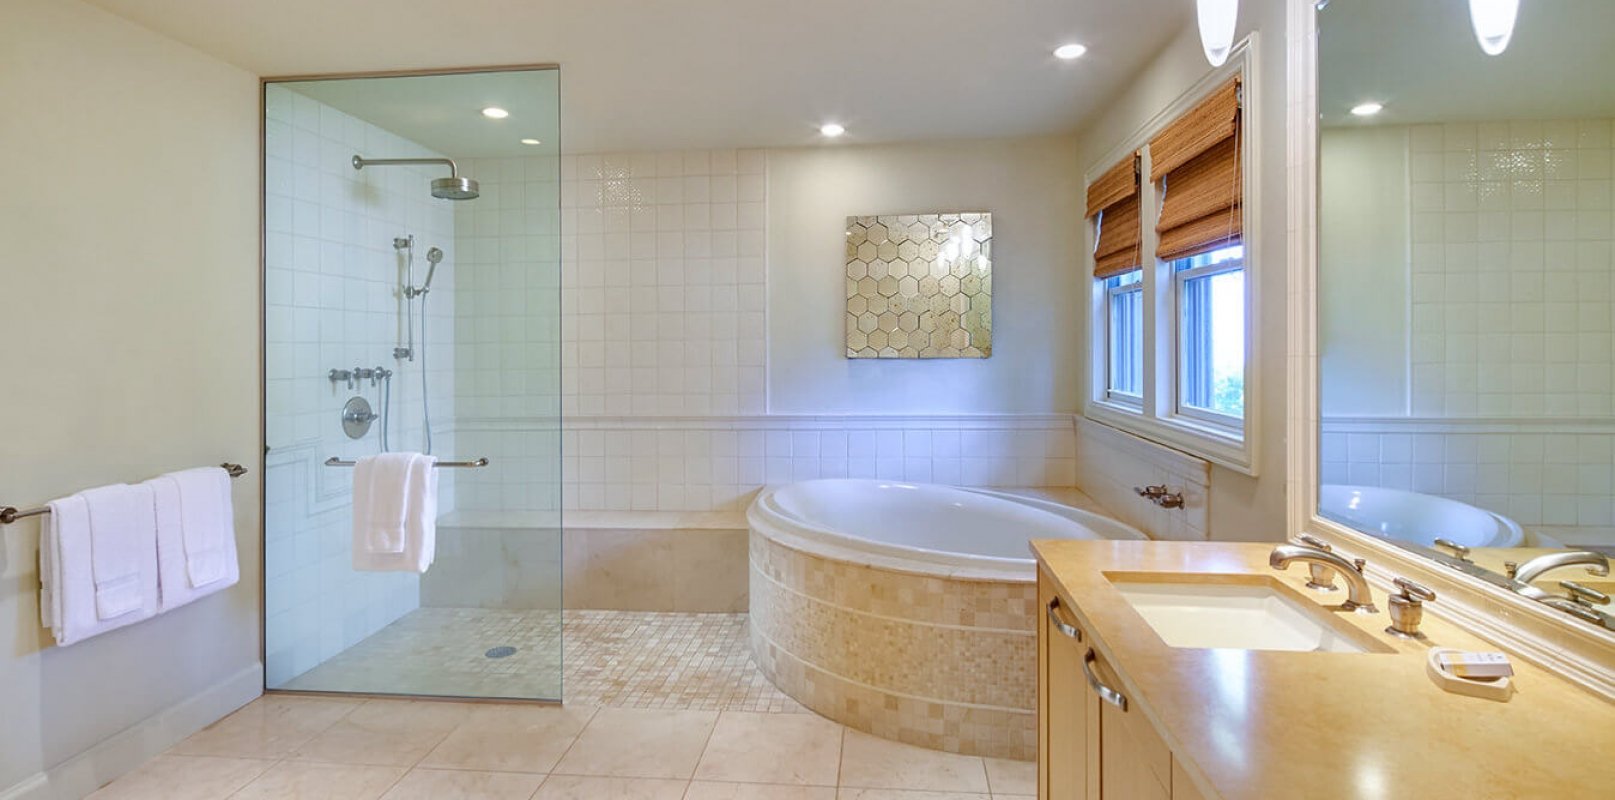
(1196, 161)
(1113, 199)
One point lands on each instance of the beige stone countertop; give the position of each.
(1269, 724)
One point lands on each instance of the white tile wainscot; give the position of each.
(1552, 476)
(1111, 463)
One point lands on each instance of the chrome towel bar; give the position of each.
(10, 514)
(333, 461)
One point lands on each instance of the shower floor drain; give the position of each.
(502, 651)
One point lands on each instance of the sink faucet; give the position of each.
(1596, 564)
(1359, 597)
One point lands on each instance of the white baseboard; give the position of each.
(124, 751)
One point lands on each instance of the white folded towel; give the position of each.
(98, 562)
(196, 543)
(394, 512)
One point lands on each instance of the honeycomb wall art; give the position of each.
(920, 286)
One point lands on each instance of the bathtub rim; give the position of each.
(764, 519)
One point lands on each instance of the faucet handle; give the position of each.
(1414, 592)
(1358, 564)
(1461, 551)
(1585, 594)
(1511, 568)
(1407, 608)
(1313, 541)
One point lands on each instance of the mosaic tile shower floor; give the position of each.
(622, 659)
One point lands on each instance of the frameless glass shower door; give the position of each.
(412, 305)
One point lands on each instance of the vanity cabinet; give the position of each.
(1093, 743)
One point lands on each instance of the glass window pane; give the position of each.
(1126, 335)
(1213, 341)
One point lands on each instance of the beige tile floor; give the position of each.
(315, 748)
(612, 658)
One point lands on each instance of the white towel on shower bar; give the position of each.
(196, 542)
(98, 562)
(394, 512)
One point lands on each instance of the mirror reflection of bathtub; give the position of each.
(1419, 518)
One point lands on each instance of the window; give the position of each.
(1211, 335)
(1178, 377)
(1124, 304)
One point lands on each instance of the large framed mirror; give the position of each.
(1465, 293)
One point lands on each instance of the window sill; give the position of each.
(1212, 443)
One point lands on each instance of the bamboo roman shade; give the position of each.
(1196, 162)
(1113, 201)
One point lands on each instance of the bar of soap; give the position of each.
(1475, 666)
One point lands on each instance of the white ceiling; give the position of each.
(1420, 59)
(637, 74)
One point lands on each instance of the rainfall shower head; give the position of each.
(453, 187)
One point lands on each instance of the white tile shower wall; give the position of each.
(1554, 478)
(508, 336)
(1526, 205)
(1110, 464)
(332, 301)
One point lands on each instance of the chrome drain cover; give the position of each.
(502, 651)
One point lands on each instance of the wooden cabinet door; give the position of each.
(1134, 762)
(1068, 719)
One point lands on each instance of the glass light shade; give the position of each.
(1494, 23)
(1217, 18)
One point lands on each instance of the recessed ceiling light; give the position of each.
(495, 112)
(1366, 109)
(1066, 52)
(832, 129)
(531, 142)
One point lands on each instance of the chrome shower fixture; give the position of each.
(433, 257)
(453, 187)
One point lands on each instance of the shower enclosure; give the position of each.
(412, 304)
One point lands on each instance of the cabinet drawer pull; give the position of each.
(1105, 693)
(1061, 625)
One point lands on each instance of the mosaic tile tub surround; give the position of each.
(937, 662)
(920, 286)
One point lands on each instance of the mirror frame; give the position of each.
(1579, 651)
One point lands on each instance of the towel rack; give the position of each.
(333, 461)
(10, 514)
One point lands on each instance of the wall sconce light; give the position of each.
(1217, 18)
(1493, 21)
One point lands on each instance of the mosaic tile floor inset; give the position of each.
(625, 659)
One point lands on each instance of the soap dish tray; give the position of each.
(1499, 689)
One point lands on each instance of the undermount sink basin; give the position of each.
(1241, 612)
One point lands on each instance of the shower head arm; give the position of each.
(360, 162)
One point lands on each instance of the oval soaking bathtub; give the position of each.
(1416, 518)
(907, 610)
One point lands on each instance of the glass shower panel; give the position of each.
(412, 305)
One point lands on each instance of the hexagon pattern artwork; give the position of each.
(920, 286)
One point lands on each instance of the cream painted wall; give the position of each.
(1242, 508)
(130, 342)
(1363, 240)
(1032, 186)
